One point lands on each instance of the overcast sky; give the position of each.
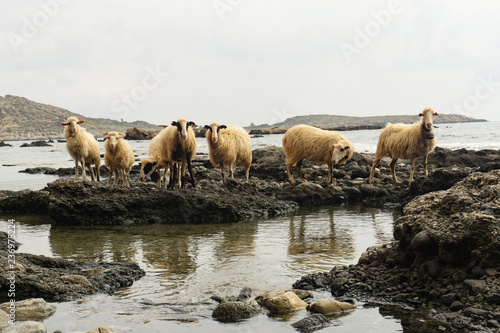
(261, 61)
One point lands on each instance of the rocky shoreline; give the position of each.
(444, 262)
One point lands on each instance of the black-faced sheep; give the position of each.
(118, 155)
(82, 146)
(228, 144)
(304, 142)
(153, 164)
(179, 146)
(406, 142)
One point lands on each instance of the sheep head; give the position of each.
(214, 129)
(427, 119)
(148, 168)
(341, 153)
(112, 138)
(182, 127)
(72, 123)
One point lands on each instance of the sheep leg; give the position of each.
(191, 172)
(222, 173)
(247, 171)
(110, 176)
(425, 165)
(412, 170)
(115, 171)
(289, 170)
(393, 170)
(173, 170)
(98, 172)
(91, 171)
(374, 166)
(125, 180)
(82, 162)
(330, 169)
(231, 170)
(299, 169)
(76, 168)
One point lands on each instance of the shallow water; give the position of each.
(187, 264)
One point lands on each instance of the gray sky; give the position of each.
(242, 61)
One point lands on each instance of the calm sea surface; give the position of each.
(186, 264)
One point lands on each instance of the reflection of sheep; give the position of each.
(406, 142)
(151, 166)
(118, 155)
(82, 146)
(304, 142)
(179, 145)
(228, 144)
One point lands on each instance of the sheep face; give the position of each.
(214, 128)
(182, 127)
(427, 120)
(148, 169)
(340, 153)
(72, 123)
(112, 138)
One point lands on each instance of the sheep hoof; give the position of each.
(329, 185)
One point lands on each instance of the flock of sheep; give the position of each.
(174, 147)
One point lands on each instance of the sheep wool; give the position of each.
(228, 145)
(153, 164)
(82, 147)
(303, 142)
(118, 155)
(406, 142)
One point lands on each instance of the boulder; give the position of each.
(26, 327)
(329, 306)
(31, 309)
(281, 301)
(314, 322)
(234, 311)
(102, 329)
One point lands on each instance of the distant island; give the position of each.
(350, 122)
(23, 119)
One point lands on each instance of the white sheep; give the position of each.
(82, 146)
(179, 146)
(153, 164)
(304, 142)
(406, 142)
(228, 144)
(118, 155)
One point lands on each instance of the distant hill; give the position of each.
(22, 119)
(327, 120)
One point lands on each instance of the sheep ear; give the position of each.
(222, 127)
(436, 114)
(105, 134)
(347, 147)
(191, 123)
(207, 127)
(64, 124)
(174, 123)
(420, 114)
(80, 122)
(121, 134)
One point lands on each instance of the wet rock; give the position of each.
(40, 143)
(61, 280)
(4, 144)
(31, 309)
(281, 301)
(26, 327)
(234, 311)
(314, 322)
(329, 306)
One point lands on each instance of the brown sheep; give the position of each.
(406, 142)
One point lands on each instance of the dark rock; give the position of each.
(4, 144)
(234, 311)
(457, 306)
(40, 143)
(312, 323)
(135, 133)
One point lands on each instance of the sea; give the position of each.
(187, 264)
